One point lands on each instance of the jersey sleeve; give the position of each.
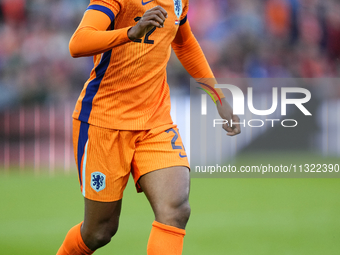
(92, 38)
(110, 7)
(193, 60)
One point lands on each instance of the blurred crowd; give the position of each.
(35, 64)
(241, 38)
(269, 38)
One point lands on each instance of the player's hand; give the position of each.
(154, 17)
(226, 113)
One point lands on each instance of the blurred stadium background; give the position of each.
(40, 82)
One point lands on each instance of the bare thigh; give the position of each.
(168, 192)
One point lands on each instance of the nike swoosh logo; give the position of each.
(182, 156)
(145, 3)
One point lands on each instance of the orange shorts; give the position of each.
(105, 157)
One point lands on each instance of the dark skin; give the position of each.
(154, 17)
(226, 113)
(168, 192)
(167, 189)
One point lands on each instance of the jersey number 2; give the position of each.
(146, 39)
(173, 141)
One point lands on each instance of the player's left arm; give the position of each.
(192, 58)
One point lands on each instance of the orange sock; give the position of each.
(165, 240)
(74, 244)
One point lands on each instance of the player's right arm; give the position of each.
(92, 38)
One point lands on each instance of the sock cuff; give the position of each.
(171, 229)
(81, 241)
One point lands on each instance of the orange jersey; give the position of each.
(127, 88)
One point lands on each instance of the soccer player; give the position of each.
(122, 120)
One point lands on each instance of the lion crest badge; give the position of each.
(178, 8)
(98, 181)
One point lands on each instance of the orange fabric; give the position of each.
(74, 244)
(91, 38)
(165, 240)
(116, 153)
(192, 58)
(127, 88)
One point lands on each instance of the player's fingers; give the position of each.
(232, 130)
(159, 14)
(161, 9)
(227, 128)
(156, 18)
(235, 131)
(153, 23)
(154, 11)
(236, 127)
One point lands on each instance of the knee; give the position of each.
(175, 214)
(102, 238)
(95, 239)
(183, 212)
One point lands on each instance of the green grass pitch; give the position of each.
(229, 216)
